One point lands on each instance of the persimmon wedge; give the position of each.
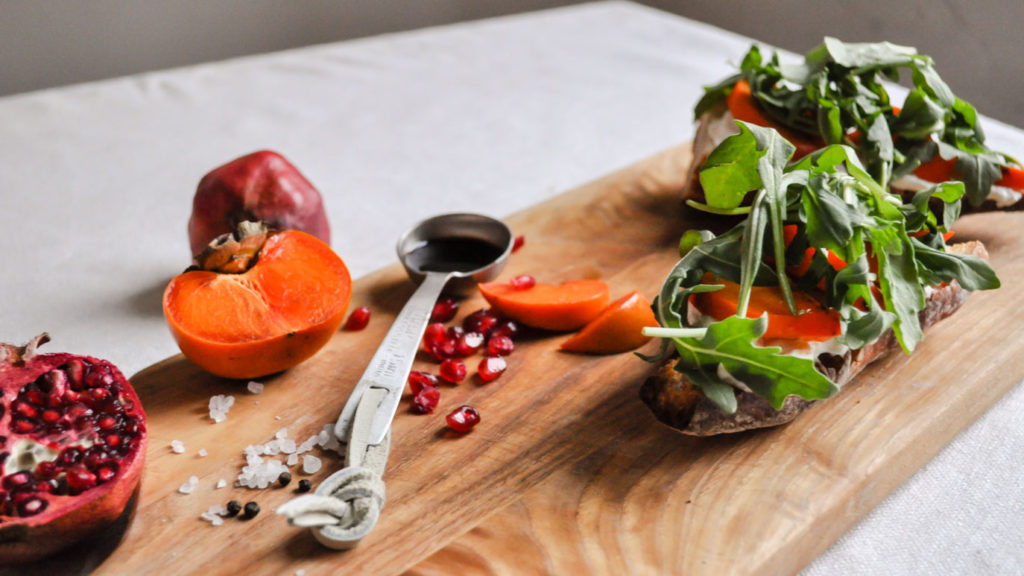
(617, 329)
(813, 322)
(260, 303)
(557, 307)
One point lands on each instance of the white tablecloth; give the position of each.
(96, 182)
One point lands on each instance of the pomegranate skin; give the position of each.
(67, 518)
(261, 186)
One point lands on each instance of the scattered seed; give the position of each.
(251, 510)
(304, 486)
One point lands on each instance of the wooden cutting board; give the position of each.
(568, 473)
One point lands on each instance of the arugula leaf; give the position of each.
(897, 278)
(728, 345)
(838, 94)
(938, 266)
(730, 171)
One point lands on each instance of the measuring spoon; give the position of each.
(455, 249)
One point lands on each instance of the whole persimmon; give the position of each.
(258, 301)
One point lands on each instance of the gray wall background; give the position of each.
(978, 44)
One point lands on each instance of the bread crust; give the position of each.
(677, 402)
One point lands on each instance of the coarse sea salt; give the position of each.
(222, 483)
(202, 453)
(254, 387)
(219, 406)
(177, 446)
(190, 486)
(311, 464)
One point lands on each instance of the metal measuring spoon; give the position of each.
(456, 249)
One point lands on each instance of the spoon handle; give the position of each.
(390, 365)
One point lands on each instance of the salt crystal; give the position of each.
(288, 446)
(190, 486)
(255, 387)
(177, 446)
(202, 452)
(281, 434)
(213, 519)
(219, 406)
(300, 572)
(277, 417)
(222, 483)
(311, 464)
(293, 459)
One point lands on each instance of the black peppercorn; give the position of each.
(234, 507)
(304, 486)
(284, 478)
(251, 510)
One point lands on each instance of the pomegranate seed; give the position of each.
(455, 332)
(444, 349)
(433, 335)
(74, 369)
(445, 309)
(51, 416)
(24, 426)
(99, 394)
(453, 370)
(45, 487)
(35, 397)
(518, 242)
(418, 380)
(18, 482)
(358, 319)
(47, 469)
(24, 409)
(31, 506)
(106, 423)
(106, 473)
(94, 457)
(480, 321)
(69, 456)
(500, 346)
(491, 367)
(463, 418)
(80, 479)
(523, 282)
(504, 328)
(426, 400)
(112, 440)
(469, 343)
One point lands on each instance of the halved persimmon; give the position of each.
(618, 328)
(260, 302)
(558, 307)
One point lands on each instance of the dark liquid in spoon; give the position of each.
(453, 255)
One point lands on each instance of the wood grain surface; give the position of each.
(568, 473)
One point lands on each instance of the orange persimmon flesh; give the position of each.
(618, 328)
(940, 170)
(743, 107)
(813, 322)
(558, 307)
(267, 319)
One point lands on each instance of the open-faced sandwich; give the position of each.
(825, 272)
(840, 95)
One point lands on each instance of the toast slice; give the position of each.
(677, 402)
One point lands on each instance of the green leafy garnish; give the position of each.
(838, 216)
(838, 95)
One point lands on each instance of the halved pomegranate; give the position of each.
(72, 447)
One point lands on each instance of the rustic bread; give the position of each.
(677, 402)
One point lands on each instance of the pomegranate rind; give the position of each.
(68, 519)
(267, 319)
(263, 186)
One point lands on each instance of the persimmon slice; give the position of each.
(268, 318)
(557, 307)
(813, 322)
(617, 329)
